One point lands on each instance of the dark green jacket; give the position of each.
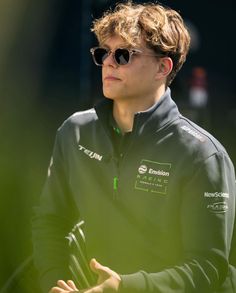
(160, 212)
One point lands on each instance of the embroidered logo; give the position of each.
(89, 153)
(218, 207)
(216, 194)
(193, 133)
(153, 176)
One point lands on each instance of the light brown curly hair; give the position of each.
(160, 27)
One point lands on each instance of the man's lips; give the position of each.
(111, 77)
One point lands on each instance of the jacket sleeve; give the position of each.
(207, 218)
(52, 221)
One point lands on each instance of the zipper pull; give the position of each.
(115, 187)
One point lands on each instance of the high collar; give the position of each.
(154, 118)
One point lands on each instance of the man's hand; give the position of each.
(64, 287)
(108, 281)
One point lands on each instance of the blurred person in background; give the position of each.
(156, 192)
(198, 96)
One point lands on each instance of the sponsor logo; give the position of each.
(218, 207)
(193, 133)
(142, 169)
(216, 194)
(152, 176)
(158, 172)
(90, 154)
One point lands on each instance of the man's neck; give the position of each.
(125, 109)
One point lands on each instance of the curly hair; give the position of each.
(162, 29)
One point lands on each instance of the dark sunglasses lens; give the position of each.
(99, 55)
(122, 56)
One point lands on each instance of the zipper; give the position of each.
(115, 187)
(115, 183)
(118, 160)
(115, 179)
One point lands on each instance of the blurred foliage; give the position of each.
(41, 84)
(24, 128)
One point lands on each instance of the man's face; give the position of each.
(136, 80)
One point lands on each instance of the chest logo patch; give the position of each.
(153, 176)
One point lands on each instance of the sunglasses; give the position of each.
(121, 56)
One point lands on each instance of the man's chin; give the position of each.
(110, 96)
(114, 95)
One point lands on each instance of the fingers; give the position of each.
(64, 287)
(96, 266)
(96, 289)
(72, 285)
(62, 284)
(103, 272)
(57, 290)
(60, 290)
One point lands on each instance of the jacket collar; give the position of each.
(156, 117)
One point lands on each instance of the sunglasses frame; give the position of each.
(131, 52)
(109, 52)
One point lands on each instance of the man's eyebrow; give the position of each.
(104, 45)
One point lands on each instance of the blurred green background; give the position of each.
(46, 74)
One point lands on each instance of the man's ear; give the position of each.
(165, 66)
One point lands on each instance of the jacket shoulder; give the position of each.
(74, 125)
(78, 119)
(81, 118)
(197, 140)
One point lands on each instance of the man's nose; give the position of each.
(109, 60)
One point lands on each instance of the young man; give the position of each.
(156, 192)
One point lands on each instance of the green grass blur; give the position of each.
(28, 121)
(27, 127)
